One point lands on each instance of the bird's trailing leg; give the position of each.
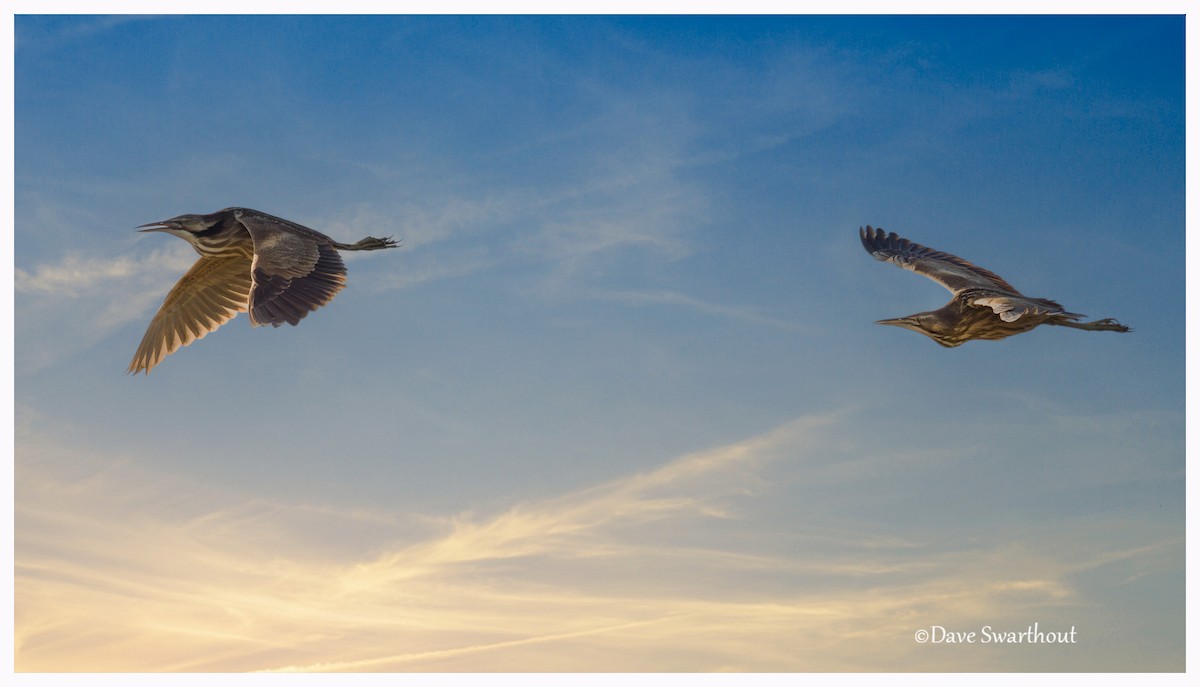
(1108, 324)
(369, 243)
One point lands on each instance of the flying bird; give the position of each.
(277, 270)
(984, 306)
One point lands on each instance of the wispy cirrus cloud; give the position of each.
(69, 304)
(685, 567)
(51, 35)
(74, 275)
(676, 299)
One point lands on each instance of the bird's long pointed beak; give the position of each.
(154, 226)
(895, 322)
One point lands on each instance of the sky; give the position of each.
(619, 402)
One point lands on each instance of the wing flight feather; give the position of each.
(210, 294)
(950, 271)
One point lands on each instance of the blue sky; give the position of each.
(619, 402)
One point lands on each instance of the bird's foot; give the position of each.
(372, 243)
(1108, 324)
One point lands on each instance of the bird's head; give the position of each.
(928, 323)
(184, 226)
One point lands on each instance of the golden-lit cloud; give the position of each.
(678, 568)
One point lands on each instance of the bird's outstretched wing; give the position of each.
(211, 293)
(950, 271)
(295, 270)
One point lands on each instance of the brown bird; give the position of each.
(984, 306)
(277, 270)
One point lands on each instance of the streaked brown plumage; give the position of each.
(984, 306)
(277, 270)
